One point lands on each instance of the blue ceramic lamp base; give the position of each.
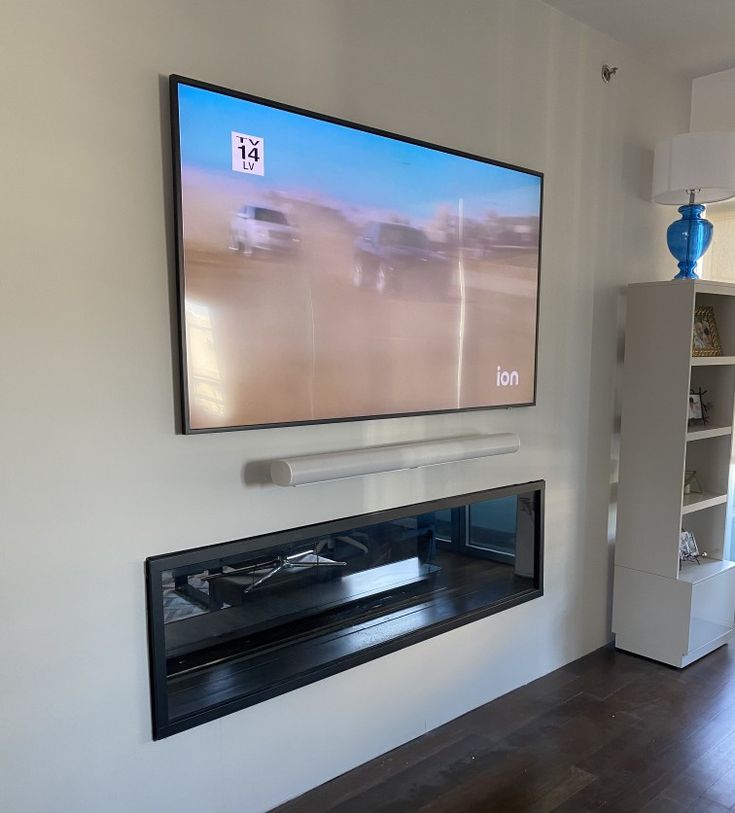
(688, 239)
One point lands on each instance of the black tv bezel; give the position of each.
(175, 80)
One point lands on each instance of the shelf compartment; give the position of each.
(719, 383)
(693, 573)
(710, 459)
(698, 502)
(709, 430)
(724, 310)
(708, 528)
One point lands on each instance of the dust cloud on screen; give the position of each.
(329, 272)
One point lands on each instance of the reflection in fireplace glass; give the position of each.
(271, 611)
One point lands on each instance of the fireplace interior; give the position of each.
(236, 623)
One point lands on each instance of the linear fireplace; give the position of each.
(233, 624)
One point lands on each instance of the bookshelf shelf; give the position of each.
(707, 431)
(712, 361)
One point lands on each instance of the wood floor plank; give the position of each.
(689, 786)
(723, 790)
(609, 732)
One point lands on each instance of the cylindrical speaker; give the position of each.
(315, 468)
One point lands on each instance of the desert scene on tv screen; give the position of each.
(332, 273)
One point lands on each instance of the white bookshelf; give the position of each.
(673, 612)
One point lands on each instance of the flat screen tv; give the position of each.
(330, 271)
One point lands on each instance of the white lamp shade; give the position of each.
(704, 162)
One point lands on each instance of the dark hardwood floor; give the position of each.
(608, 732)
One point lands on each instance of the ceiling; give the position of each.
(691, 38)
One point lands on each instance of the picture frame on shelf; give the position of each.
(698, 410)
(695, 407)
(688, 549)
(705, 336)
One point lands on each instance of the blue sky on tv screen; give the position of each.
(341, 165)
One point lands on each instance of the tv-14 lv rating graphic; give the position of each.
(248, 154)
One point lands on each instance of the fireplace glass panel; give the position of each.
(236, 623)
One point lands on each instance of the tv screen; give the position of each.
(330, 271)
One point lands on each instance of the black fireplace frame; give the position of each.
(209, 555)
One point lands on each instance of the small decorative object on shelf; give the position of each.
(688, 550)
(705, 339)
(691, 483)
(698, 409)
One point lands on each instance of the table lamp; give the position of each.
(687, 168)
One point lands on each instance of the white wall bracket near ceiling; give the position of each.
(315, 468)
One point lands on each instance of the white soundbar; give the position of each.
(316, 468)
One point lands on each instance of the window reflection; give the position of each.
(205, 382)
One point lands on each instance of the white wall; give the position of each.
(713, 108)
(713, 102)
(94, 476)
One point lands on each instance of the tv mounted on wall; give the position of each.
(330, 271)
